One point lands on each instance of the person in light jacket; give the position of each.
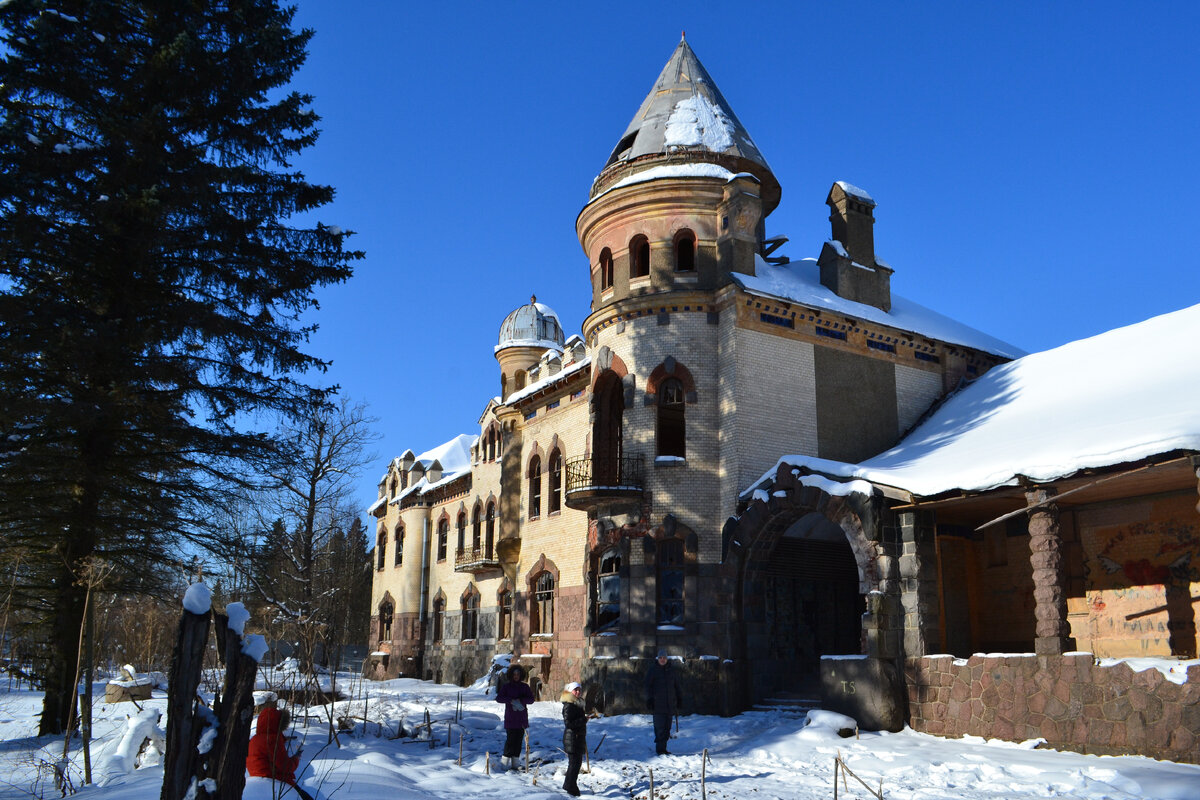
(516, 696)
(574, 734)
(663, 698)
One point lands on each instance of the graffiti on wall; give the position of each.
(1149, 553)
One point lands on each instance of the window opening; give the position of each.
(669, 568)
(608, 591)
(685, 251)
(535, 488)
(491, 528)
(442, 537)
(672, 426)
(470, 623)
(387, 613)
(543, 604)
(381, 550)
(639, 257)
(606, 269)
(555, 501)
(399, 545)
(506, 608)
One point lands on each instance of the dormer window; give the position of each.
(685, 251)
(639, 257)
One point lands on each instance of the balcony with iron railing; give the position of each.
(477, 559)
(594, 481)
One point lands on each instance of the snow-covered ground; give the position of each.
(759, 754)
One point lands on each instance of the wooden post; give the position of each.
(703, 773)
(487, 763)
(460, 738)
(836, 761)
(651, 795)
(449, 733)
(227, 760)
(180, 763)
(588, 768)
(526, 752)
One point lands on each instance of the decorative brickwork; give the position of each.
(1068, 700)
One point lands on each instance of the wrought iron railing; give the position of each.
(599, 473)
(475, 557)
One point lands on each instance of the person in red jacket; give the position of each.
(268, 756)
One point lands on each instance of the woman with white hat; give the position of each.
(574, 734)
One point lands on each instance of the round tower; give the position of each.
(525, 335)
(681, 202)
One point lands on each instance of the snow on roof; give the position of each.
(800, 282)
(854, 191)
(1114, 398)
(673, 171)
(696, 121)
(454, 457)
(537, 386)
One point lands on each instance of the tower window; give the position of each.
(476, 529)
(386, 614)
(381, 550)
(685, 251)
(399, 545)
(491, 529)
(462, 531)
(672, 427)
(639, 257)
(606, 269)
(608, 590)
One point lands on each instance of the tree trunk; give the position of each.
(58, 705)
(227, 761)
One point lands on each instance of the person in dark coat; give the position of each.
(516, 696)
(267, 756)
(663, 699)
(574, 734)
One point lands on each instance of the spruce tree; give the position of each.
(155, 265)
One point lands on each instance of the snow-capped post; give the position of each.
(235, 708)
(181, 766)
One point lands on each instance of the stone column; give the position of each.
(1049, 579)
(918, 584)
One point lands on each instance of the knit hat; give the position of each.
(572, 686)
(661, 654)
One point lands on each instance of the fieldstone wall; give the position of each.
(1068, 700)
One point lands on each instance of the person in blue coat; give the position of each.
(663, 699)
(516, 696)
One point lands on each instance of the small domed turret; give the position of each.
(525, 335)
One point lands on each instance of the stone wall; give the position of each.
(1069, 701)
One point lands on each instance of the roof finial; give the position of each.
(682, 35)
(532, 299)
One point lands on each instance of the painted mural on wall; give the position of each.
(1148, 553)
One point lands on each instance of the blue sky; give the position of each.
(1032, 164)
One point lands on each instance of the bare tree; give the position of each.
(306, 518)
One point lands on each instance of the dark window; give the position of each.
(439, 618)
(399, 545)
(606, 269)
(462, 531)
(535, 488)
(542, 611)
(884, 346)
(386, 614)
(608, 590)
(772, 319)
(927, 357)
(639, 257)
(395, 483)
(669, 569)
(381, 550)
(672, 427)
(476, 529)
(442, 537)
(491, 529)
(555, 502)
(831, 334)
(470, 616)
(685, 251)
(506, 601)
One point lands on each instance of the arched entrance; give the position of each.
(811, 598)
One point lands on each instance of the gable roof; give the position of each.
(1119, 397)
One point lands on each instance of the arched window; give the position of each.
(555, 501)
(439, 618)
(476, 529)
(519, 380)
(442, 537)
(669, 577)
(608, 590)
(399, 545)
(470, 614)
(395, 483)
(672, 428)
(462, 532)
(535, 487)
(506, 603)
(386, 614)
(639, 257)
(491, 445)
(606, 269)
(491, 528)
(609, 406)
(381, 550)
(541, 610)
(685, 251)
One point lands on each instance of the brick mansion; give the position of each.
(755, 464)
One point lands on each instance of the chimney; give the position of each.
(848, 265)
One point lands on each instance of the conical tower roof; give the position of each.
(685, 117)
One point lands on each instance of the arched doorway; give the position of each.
(812, 604)
(609, 406)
